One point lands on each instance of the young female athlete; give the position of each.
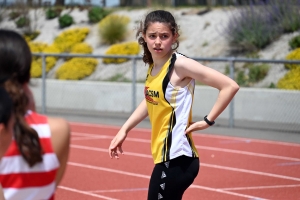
(35, 161)
(6, 125)
(169, 91)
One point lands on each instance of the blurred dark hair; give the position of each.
(15, 56)
(6, 106)
(15, 63)
(161, 16)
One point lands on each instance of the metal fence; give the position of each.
(260, 108)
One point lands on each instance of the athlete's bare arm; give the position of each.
(185, 67)
(60, 137)
(136, 117)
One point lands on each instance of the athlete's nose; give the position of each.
(157, 41)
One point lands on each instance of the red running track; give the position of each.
(231, 168)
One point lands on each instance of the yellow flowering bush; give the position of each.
(294, 55)
(82, 48)
(113, 28)
(37, 47)
(50, 61)
(67, 39)
(126, 48)
(36, 69)
(31, 36)
(291, 80)
(76, 68)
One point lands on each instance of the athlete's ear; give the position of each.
(175, 37)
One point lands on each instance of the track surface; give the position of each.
(231, 168)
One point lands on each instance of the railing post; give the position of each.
(231, 104)
(133, 84)
(44, 84)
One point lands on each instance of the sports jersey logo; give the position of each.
(149, 94)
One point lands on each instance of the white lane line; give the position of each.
(202, 164)
(86, 193)
(247, 153)
(198, 147)
(148, 177)
(109, 170)
(106, 150)
(250, 172)
(244, 139)
(226, 192)
(261, 187)
(119, 190)
(197, 134)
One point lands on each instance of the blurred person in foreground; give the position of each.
(6, 125)
(35, 162)
(169, 94)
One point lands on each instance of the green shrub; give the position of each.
(241, 79)
(258, 72)
(65, 21)
(22, 22)
(14, 15)
(113, 28)
(287, 14)
(127, 48)
(294, 55)
(295, 42)
(96, 14)
(291, 80)
(52, 13)
(251, 74)
(251, 29)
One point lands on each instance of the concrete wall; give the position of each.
(263, 105)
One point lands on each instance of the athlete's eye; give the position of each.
(163, 37)
(152, 36)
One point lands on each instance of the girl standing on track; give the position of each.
(35, 161)
(169, 92)
(6, 125)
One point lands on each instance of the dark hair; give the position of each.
(15, 63)
(161, 16)
(6, 106)
(15, 56)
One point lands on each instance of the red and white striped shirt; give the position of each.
(19, 181)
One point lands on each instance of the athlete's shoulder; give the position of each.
(181, 60)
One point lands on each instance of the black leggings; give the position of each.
(170, 179)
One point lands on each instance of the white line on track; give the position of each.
(197, 134)
(86, 193)
(148, 177)
(92, 136)
(109, 170)
(202, 164)
(226, 192)
(119, 190)
(250, 172)
(262, 187)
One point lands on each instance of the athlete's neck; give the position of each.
(159, 62)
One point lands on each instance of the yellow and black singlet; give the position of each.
(170, 113)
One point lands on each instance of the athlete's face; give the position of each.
(159, 39)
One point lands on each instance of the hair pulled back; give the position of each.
(15, 63)
(160, 16)
(6, 106)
